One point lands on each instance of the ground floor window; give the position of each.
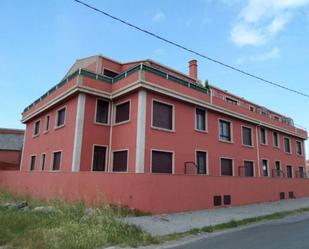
(99, 158)
(201, 162)
(249, 170)
(120, 161)
(43, 159)
(226, 167)
(265, 167)
(32, 162)
(162, 162)
(56, 160)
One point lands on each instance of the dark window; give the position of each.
(56, 160)
(276, 139)
(276, 118)
(36, 128)
(162, 162)
(252, 108)
(287, 146)
(60, 117)
(201, 161)
(47, 120)
(43, 161)
(217, 200)
(120, 161)
(301, 172)
(282, 195)
(225, 130)
(200, 119)
(299, 148)
(227, 200)
(99, 157)
(247, 136)
(122, 112)
(265, 167)
(291, 195)
(162, 115)
(263, 135)
(277, 169)
(226, 167)
(32, 162)
(231, 101)
(248, 168)
(102, 111)
(109, 73)
(289, 171)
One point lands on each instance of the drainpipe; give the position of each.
(258, 149)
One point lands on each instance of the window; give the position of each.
(247, 136)
(32, 162)
(122, 112)
(36, 130)
(276, 118)
(99, 158)
(56, 160)
(162, 115)
(249, 170)
(226, 167)
(60, 120)
(201, 162)
(252, 108)
(47, 121)
(102, 111)
(109, 73)
(287, 145)
(276, 139)
(162, 162)
(225, 130)
(265, 167)
(263, 135)
(231, 101)
(289, 173)
(43, 159)
(200, 119)
(120, 161)
(277, 169)
(299, 150)
(301, 172)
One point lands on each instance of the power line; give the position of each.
(191, 50)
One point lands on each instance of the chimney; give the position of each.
(193, 69)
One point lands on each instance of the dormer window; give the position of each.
(109, 73)
(231, 101)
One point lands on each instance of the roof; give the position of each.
(11, 139)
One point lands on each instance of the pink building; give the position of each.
(142, 134)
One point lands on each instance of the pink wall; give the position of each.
(56, 139)
(151, 193)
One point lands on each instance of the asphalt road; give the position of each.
(289, 233)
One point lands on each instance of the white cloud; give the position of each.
(260, 20)
(269, 55)
(158, 17)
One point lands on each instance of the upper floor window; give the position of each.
(247, 136)
(102, 111)
(122, 112)
(56, 160)
(36, 129)
(201, 162)
(287, 145)
(231, 101)
(226, 167)
(47, 121)
(225, 130)
(276, 139)
(60, 117)
(109, 73)
(162, 115)
(252, 108)
(299, 149)
(301, 172)
(120, 161)
(162, 162)
(263, 135)
(289, 171)
(32, 162)
(200, 119)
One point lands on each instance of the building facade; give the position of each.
(11, 143)
(108, 118)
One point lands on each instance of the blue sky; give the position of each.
(40, 40)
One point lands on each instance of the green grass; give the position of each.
(66, 229)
